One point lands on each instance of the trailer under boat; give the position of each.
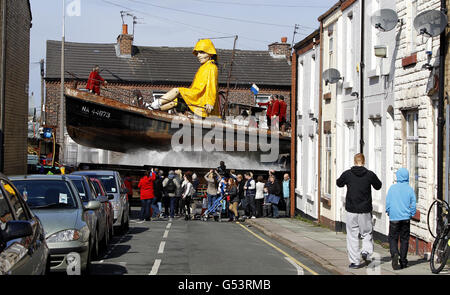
(110, 124)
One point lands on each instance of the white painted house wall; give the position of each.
(308, 65)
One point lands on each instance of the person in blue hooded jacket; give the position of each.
(400, 206)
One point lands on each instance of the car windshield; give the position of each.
(46, 193)
(108, 181)
(80, 187)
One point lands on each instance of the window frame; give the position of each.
(27, 214)
(412, 140)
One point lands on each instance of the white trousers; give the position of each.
(359, 223)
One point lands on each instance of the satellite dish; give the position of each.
(331, 76)
(431, 23)
(384, 19)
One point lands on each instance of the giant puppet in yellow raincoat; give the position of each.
(201, 97)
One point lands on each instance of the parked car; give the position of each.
(88, 193)
(23, 249)
(101, 191)
(114, 185)
(70, 226)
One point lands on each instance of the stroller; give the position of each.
(217, 203)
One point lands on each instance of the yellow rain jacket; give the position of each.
(204, 88)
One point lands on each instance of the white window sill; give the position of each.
(348, 85)
(377, 207)
(310, 197)
(373, 73)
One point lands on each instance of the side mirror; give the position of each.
(102, 199)
(92, 205)
(16, 229)
(110, 197)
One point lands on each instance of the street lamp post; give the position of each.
(61, 102)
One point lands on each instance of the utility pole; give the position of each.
(42, 119)
(225, 109)
(61, 102)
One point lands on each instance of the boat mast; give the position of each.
(225, 108)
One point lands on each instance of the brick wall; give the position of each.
(16, 88)
(411, 94)
(237, 95)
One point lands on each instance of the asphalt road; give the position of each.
(199, 248)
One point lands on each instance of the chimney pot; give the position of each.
(283, 39)
(125, 29)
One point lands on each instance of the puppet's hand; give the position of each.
(208, 108)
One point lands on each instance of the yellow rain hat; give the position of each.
(205, 45)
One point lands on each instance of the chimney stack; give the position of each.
(280, 50)
(124, 46)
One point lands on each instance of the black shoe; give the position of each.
(353, 266)
(395, 265)
(403, 264)
(364, 256)
(147, 219)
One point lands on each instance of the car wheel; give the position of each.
(47, 266)
(87, 270)
(105, 240)
(95, 252)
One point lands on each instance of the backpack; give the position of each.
(171, 188)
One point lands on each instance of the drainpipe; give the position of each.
(319, 154)
(2, 88)
(361, 82)
(292, 196)
(440, 156)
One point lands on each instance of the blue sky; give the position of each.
(172, 23)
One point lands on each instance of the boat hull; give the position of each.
(99, 122)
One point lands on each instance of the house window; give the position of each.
(350, 144)
(311, 165)
(300, 164)
(376, 149)
(349, 51)
(330, 46)
(412, 149)
(374, 36)
(312, 87)
(301, 79)
(328, 164)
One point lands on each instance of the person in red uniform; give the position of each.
(95, 80)
(268, 111)
(282, 113)
(276, 112)
(128, 181)
(147, 194)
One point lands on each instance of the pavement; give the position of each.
(328, 248)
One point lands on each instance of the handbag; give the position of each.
(273, 199)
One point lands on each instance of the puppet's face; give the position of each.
(203, 57)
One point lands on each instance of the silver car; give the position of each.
(114, 186)
(69, 225)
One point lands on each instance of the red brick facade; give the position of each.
(17, 60)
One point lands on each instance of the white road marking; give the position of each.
(166, 233)
(155, 267)
(161, 247)
(169, 225)
(300, 271)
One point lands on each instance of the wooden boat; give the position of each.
(106, 123)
